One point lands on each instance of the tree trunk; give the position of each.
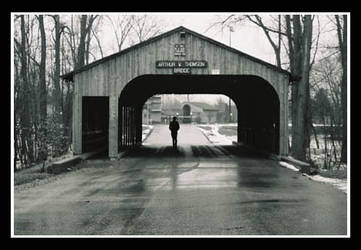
(81, 48)
(43, 93)
(303, 98)
(57, 66)
(42, 72)
(299, 53)
(25, 112)
(342, 37)
(84, 41)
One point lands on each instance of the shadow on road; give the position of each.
(183, 151)
(155, 152)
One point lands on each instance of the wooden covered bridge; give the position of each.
(109, 93)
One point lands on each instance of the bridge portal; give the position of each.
(180, 61)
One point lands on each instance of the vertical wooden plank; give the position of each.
(77, 117)
(89, 81)
(117, 76)
(92, 87)
(239, 65)
(99, 86)
(110, 77)
(284, 116)
(126, 126)
(113, 127)
(101, 80)
(120, 70)
(127, 67)
(123, 126)
(86, 82)
(246, 66)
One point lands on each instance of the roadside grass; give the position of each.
(205, 127)
(30, 174)
(331, 172)
(228, 130)
(334, 173)
(36, 173)
(29, 177)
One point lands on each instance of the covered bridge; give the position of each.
(109, 93)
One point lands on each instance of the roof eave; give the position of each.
(70, 76)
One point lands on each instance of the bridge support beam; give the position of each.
(77, 123)
(113, 127)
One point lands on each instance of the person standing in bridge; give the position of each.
(174, 127)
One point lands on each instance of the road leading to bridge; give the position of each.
(198, 189)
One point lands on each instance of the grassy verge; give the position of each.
(30, 174)
(205, 127)
(227, 130)
(36, 173)
(334, 173)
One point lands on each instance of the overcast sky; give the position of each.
(246, 38)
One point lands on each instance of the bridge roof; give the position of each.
(69, 76)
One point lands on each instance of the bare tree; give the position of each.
(276, 45)
(300, 41)
(145, 27)
(270, 29)
(42, 70)
(342, 39)
(122, 25)
(56, 77)
(25, 112)
(83, 47)
(43, 93)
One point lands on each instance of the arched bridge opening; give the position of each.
(257, 103)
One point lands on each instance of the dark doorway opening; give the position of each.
(95, 124)
(187, 114)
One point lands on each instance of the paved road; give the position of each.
(199, 189)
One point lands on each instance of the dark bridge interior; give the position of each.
(257, 104)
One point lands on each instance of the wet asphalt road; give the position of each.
(198, 189)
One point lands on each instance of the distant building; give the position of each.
(167, 114)
(152, 110)
(198, 112)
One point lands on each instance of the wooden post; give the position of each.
(139, 125)
(77, 121)
(113, 127)
(284, 119)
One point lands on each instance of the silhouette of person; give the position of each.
(174, 127)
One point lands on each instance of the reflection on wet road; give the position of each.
(194, 190)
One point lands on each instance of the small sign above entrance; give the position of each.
(183, 71)
(179, 50)
(181, 64)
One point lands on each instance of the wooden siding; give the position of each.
(111, 76)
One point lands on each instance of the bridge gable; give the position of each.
(109, 75)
